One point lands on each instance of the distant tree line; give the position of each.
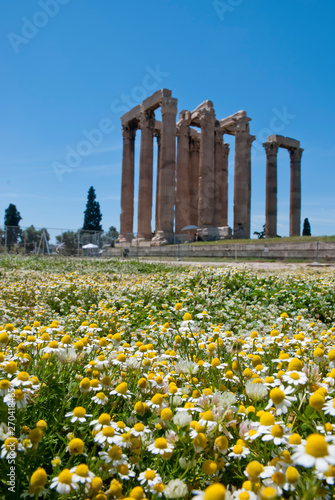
(30, 238)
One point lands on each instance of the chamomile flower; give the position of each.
(160, 447)
(329, 408)
(82, 474)
(100, 398)
(276, 434)
(101, 422)
(64, 483)
(105, 435)
(316, 453)
(139, 430)
(78, 414)
(239, 451)
(149, 476)
(124, 471)
(295, 378)
(215, 491)
(281, 399)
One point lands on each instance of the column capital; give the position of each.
(206, 117)
(271, 148)
(129, 131)
(169, 105)
(147, 120)
(183, 125)
(194, 144)
(225, 150)
(296, 154)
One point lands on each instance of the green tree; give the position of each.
(31, 237)
(92, 214)
(110, 236)
(70, 240)
(12, 221)
(306, 231)
(260, 234)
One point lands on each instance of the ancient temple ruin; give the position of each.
(192, 173)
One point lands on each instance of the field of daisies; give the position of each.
(134, 381)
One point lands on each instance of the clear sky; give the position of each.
(71, 66)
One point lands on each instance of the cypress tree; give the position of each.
(92, 214)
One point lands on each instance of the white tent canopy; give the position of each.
(89, 245)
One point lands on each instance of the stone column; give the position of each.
(147, 121)
(158, 135)
(194, 180)
(127, 183)
(271, 149)
(295, 192)
(218, 180)
(182, 173)
(242, 179)
(225, 155)
(206, 169)
(166, 198)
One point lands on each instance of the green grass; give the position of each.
(290, 239)
(73, 264)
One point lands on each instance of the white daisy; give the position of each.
(82, 474)
(316, 453)
(279, 397)
(64, 483)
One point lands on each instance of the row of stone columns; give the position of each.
(192, 188)
(144, 119)
(271, 149)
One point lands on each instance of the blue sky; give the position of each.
(72, 66)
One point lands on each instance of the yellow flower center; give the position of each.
(215, 492)
(278, 478)
(267, 418)
(294, 439)
(53, 344)
(277, 396)
(295, 365)
(10, 443)
(150, 474)
(76, 446)
(104, 419)
(292, 475)
(79, 412)
(65, 477)
(123, 469)
(122, 388)
(316, 446)
(139, 427)
(209, 467)
(268, 493)
(208, 415)
(295, 376)
(38, 478)
(23, 376)
(161, 443)
(277, 431)
(82, 470)
(18, 395)
(101, 396)
(238, 449)
(108, 431)
(4, 384)
(157, 399)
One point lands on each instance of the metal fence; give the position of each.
(83, 243)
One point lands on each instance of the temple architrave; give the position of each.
(192, 173)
